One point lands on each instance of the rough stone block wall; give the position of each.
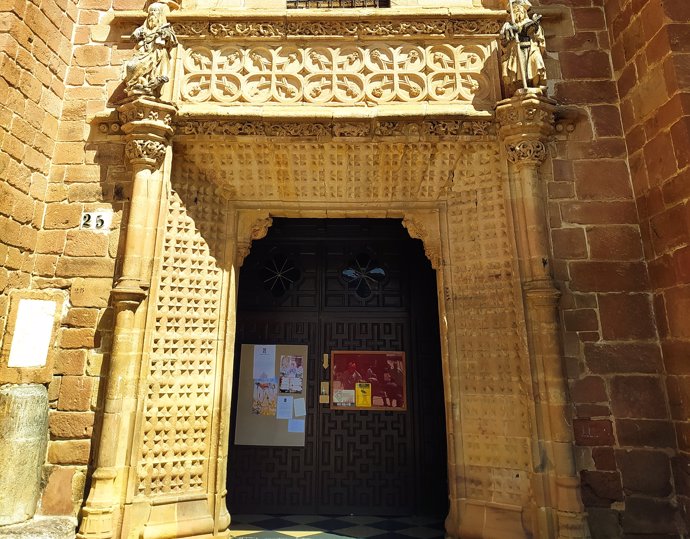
(38, 217)
(86, 175)
(625, 441)
(50, 87)
(35, 50)
(651, 63)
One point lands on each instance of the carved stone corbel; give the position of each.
(251, 225)
(526, 122)
(424, 226)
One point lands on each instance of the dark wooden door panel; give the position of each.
(277, 479)
(366, 461)
(361, 462)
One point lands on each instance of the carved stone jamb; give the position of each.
(526, 121)
(432, 228)
(148, 127)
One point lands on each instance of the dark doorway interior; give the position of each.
(345, 284)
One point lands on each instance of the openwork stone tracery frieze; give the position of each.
(345, 74)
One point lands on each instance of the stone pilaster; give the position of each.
(148, 127)
(526, 121)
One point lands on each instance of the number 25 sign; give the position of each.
(97, 221)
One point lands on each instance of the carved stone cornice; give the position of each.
(148, 125)
(525, 123)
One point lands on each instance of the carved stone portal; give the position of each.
(247, 151)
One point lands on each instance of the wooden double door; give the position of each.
(355, 284)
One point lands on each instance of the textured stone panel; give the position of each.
(180, 382)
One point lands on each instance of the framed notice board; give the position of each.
(271, 395)
(368, 381)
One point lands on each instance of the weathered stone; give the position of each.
(71, 425)
(69, 452)
(23, 429)
(645, 472)
(57, 496)
(41, 528)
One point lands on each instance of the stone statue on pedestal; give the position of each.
(523, 44)
(148, 70)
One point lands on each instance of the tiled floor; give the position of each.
(329, 527)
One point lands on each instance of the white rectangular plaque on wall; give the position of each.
(32, 333)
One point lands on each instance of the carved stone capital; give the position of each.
(251, 225)
(148, 125)
(128, 294)
(526, 122)
(424, 226)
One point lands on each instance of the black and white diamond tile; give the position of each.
(332, 527)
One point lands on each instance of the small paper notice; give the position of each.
(264, 361)
(284, 410)
(300, 408)
(296, 425)
(32, 333)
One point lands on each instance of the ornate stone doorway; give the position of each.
(425, 140)
(353, 462)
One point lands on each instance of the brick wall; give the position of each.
(651, 62)
(625, 441)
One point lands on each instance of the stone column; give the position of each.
(148, 127)
(23, 441)
(525, 123)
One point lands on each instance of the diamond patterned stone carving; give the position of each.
(180, 381)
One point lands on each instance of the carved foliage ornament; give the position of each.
(345, 74)
(416, 229)
(526, 152)
(147, 71)
(148, 151)
(141, 113)
(430, 128)
(370, 29)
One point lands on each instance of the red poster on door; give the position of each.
(368, 380)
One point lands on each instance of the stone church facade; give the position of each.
(146, 146)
